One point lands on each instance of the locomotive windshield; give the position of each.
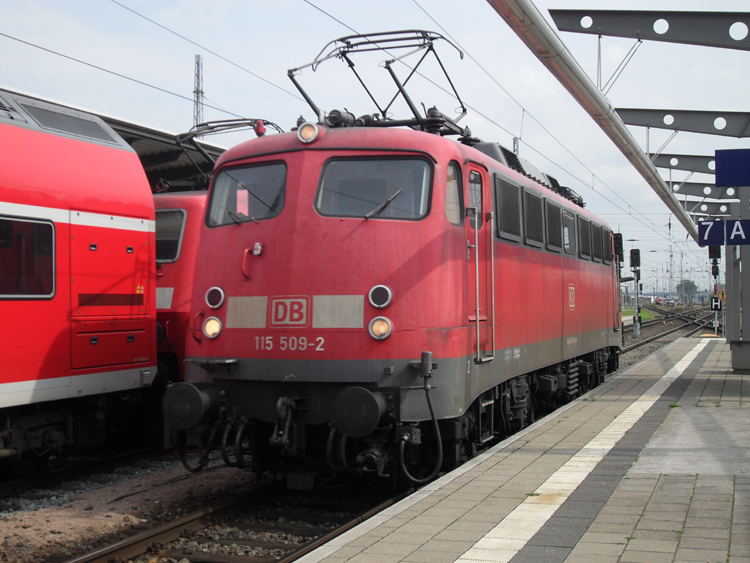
(249, 194)
(377, 188)
(170, 224)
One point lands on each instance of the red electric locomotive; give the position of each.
(387, 300)
(179, 218)
(76, 279)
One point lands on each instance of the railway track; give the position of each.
(68, 470)
(268, 525)
(702, 322)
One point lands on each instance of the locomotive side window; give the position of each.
(475, 198)
(453, 199)
(26, 259)
(170, 224)
(607, 245)
(249, 194)
(375, 188)
(596, 242)
(554, 226)
(569, 232)
(584, 238)
(508, 198)
(533, 218)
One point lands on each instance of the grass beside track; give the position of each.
(646, 315)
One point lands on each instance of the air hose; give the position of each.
(426, 371)
(204, 453)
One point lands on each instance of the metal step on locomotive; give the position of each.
(373, 296)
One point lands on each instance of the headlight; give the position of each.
(380, 296)
(380, 328)
(215, 297)
(212, 327)
(307, 132)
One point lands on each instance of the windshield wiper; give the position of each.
(234, 217)
(375, 212)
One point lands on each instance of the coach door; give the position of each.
(479, 227)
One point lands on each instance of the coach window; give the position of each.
(584, 238)
(554, 226)
(247, 195)
(375, 188)
(569, 232)
(453, 199)
(27, 259)
(607, 245)
(596, 242)
(170, 224)
(475, 198)
(508, 199)
(533, 218)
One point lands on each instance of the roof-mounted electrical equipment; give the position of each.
(413, 42)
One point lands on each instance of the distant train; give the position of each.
(77, 281)
(386, 301)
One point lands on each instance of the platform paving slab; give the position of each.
(652, 466)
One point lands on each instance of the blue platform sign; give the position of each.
(711, 233)
(732, 168)
(738, 231)
(718, 233)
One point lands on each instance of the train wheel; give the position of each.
(27, 464)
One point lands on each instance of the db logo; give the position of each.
(571, 296)
(290, 311)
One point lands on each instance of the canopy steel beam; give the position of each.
(708, 208)
(526, 21)
(698, 189)
(726, 123)
(709, 29)
(688, 162)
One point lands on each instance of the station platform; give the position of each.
(652, 466)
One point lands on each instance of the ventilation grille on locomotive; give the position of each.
(509, 216)
(512, 160)
(554, 227)
(533, 218)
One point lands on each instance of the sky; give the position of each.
(134, 59)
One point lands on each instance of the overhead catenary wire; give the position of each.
(525, 111)
(560, 167)
(223, 58)
(112, 72)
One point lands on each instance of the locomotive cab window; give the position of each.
(375, 188)
(170, 224)
(596, 243)
(584, 238)
(27, 259)
(453, 200)
(475, 199)
(533, 219)
(247, 195)
(508, 199)
(554, 226)
(569, 232)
